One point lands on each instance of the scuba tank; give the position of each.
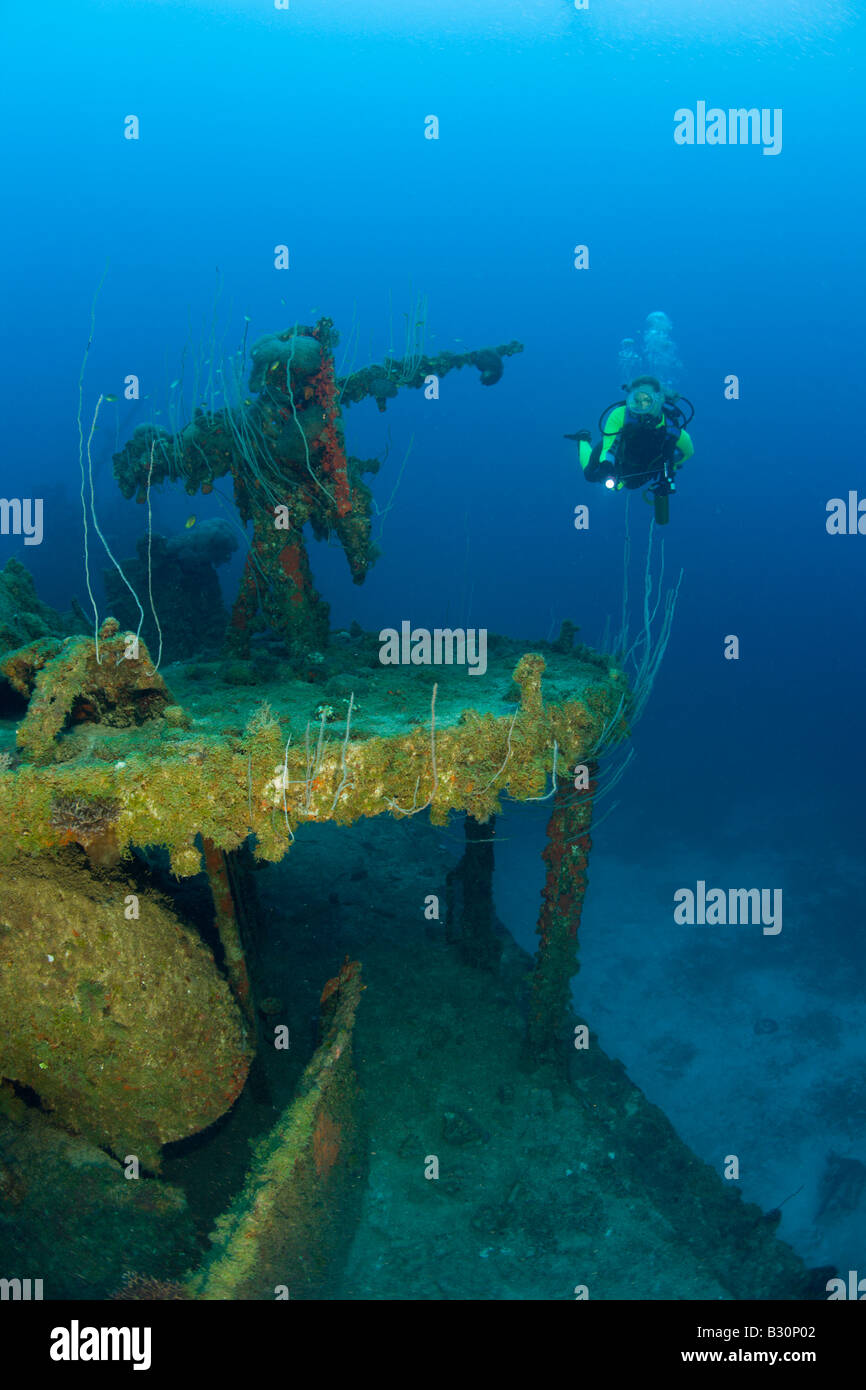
(660, 493)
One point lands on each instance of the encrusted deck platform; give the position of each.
(226, 750)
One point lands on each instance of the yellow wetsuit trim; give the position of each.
(686, 446)
(612, 426)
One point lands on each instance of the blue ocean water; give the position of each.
(305, 126)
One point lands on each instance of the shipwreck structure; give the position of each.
(126, 1028)
(284, 448)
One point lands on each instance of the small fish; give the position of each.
(246, 318)
(109, 398)
(190, 521)
(174, 383)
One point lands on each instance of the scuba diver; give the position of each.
(643, 443)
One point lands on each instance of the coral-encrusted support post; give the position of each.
(277, 581)
(297, 474)
(471, 915)
(226, 922)
(566, 856)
